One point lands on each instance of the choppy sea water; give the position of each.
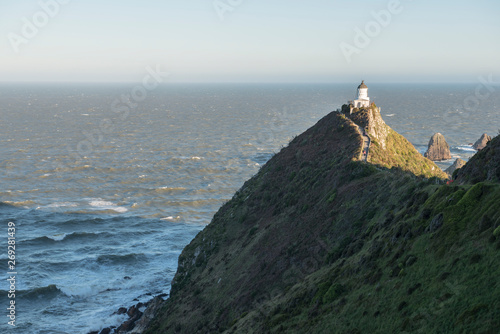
(105, 198)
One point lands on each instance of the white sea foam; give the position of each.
(168, 189)
(78, 290)
(466, 148)
(120, 209)
(107, 205)
(24, 204)
(61, 204)
(98, 323)
(101, 203)
(57, 237)
(171, 218)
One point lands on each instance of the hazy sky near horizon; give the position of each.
(250, 40)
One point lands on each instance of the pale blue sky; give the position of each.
(258, 41)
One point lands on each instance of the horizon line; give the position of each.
(244, 82)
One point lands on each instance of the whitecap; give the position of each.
(24, 204)
(466, 148)
(120, 209)
(107, 205)
(61, 204)
(171, 218)
(58, 237)
(101, 203)
(390, 115)
(77, 291)
(167, 189)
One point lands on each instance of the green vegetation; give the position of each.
(319, 242)
(400, 153)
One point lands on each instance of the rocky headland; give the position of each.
(320, 241)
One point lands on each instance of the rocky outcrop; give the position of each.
(137, 320)
(371, 120)
(153, 306)
(377, 129)
(482, 142)
(134, 314)
(438, 148)
(387, 148)
(459, 163)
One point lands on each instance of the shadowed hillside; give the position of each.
(483, 166)
(319, 242)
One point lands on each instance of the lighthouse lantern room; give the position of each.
(363, 101)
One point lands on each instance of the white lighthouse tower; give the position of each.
(363, 101)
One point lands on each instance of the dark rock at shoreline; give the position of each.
(134, 315)
(438, 148)
(137, 321)
(106, 330)
(132, 311)
(482, 142)
(459, 163)
(121, 310)
(153, 306)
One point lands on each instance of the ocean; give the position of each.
(105, 191)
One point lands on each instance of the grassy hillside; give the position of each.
(400, 153)
(318, 242)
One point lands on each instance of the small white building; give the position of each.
(363, 101)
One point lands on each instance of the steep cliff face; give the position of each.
(319, 242)
(371, 120)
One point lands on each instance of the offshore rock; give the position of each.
(438, 148)
(459, 163)
(482, 142)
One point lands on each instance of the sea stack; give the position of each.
(481, 142)
(459, 163)
(438, 148)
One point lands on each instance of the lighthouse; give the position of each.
(363, 101)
